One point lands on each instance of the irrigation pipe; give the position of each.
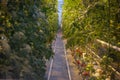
(107, 44)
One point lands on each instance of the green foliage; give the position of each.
(27, 28)
(91, 19)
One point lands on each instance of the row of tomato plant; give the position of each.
(92, 68)
(89, 20)
(27, 28)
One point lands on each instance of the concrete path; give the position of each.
(57, 68)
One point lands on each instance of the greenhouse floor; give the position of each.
(61, 66)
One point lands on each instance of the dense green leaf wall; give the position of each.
(27, 28)
(91, 19)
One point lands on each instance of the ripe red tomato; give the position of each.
(83, 65)
(86, 73)
(78, 62)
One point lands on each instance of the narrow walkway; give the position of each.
(59, 68)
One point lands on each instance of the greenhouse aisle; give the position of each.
(58, 64)
(57, 68)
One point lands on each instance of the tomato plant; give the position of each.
(89, 20)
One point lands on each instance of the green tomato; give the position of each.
(88, 69)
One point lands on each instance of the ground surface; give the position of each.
(57, 68)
